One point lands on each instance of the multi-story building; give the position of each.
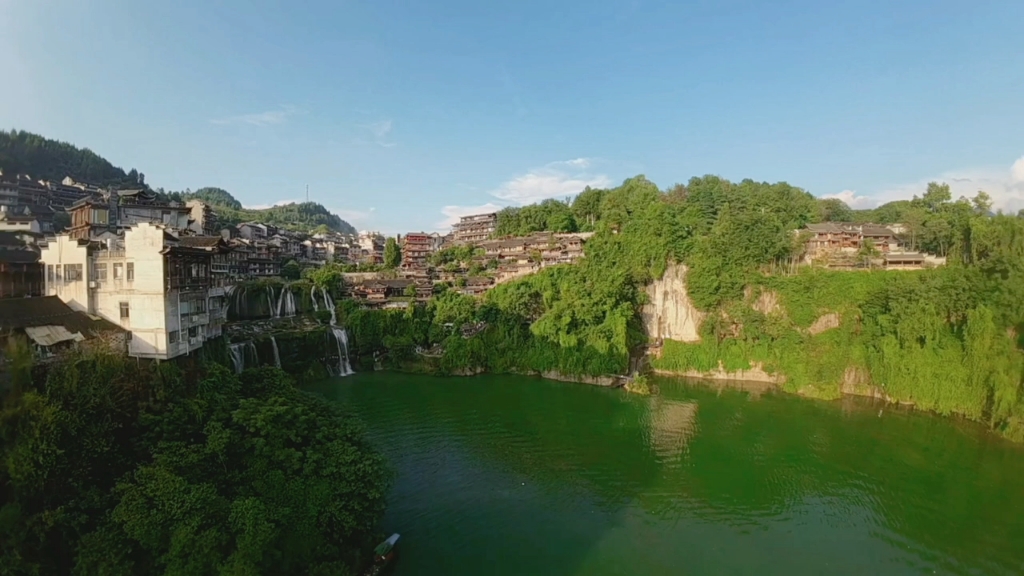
(416, 248)
(204, 218)
(158, 287)
(109, 216)
(475, 228)
(371, 247)
(21, 274)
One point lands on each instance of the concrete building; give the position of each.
(158, 287)
(203, 218)
(475, 228)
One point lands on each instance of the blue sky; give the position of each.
(401, 115)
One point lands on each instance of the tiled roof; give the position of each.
(18, 256)
(48, 311)
(200, 241)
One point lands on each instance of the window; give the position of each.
(124, 310)
(100, 270)
(199, 306)
(72, 273)
(193, 332)
(172, 337)
(130, 271)
(49, 274)
(118, 271)
(59, 277)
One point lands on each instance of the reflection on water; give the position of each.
(670, 426)
(513, 475)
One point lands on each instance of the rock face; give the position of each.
(669, 312)
(756, 373)
(824, 323)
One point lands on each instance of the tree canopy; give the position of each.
(115, 469)
(42, 158)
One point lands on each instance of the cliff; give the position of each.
(669, 312)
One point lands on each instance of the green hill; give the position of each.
(26, 153)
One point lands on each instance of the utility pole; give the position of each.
(307, 192)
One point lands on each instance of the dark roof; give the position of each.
(10, 239)
(903, 257)
(46, 311)
(876, 230)
(201, 241)
(18, 256)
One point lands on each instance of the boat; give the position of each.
(383, 555)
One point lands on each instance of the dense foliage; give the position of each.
(111, 468)
(392, 253)
(41, 158)
(944, 339)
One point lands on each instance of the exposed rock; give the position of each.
(607, 381)
(669, 312)
(767, 302)
(824, 323)
(755, 373)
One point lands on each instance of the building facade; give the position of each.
(475, 228)
(154, 285)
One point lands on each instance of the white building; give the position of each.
(154, 285)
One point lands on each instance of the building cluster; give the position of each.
(495, 260)
(850, 245)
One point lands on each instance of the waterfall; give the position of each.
(237, 352)
(289, 303)
(270, 301)
(277, 355)
(341, 339)
(312, 296)
(251, 347)
(330, 306)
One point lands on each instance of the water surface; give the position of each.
(513, 475)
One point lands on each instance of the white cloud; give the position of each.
(555, 180)
(853, 200)
(268, 118)
(381, 132)
(453, 213)
(356, 218)
(278, 203)
(1005, 186)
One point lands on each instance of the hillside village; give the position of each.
(160, 272)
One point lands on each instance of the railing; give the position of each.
(108, 254)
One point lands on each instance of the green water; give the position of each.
(513, 475)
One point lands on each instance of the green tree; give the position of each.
(833, 210)
(868, 252)
(392, 254)
(410, 291)
(61, 221)
(291, 270)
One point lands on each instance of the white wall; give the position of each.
(63, 250)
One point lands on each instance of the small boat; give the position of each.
(383, 555)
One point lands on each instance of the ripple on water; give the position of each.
(509, 475)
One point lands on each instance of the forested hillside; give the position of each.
(945, 339)
(41, 158)
(301, 216)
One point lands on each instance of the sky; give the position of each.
(401, 116)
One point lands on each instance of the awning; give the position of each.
(50, 335)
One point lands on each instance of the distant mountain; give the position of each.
(41, 158)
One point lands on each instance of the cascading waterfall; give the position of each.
(270, 301)
(340, 336)
(285, 303)
(237, 352)
(312, 296)
(277, 355)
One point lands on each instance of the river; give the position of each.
(505, 475)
